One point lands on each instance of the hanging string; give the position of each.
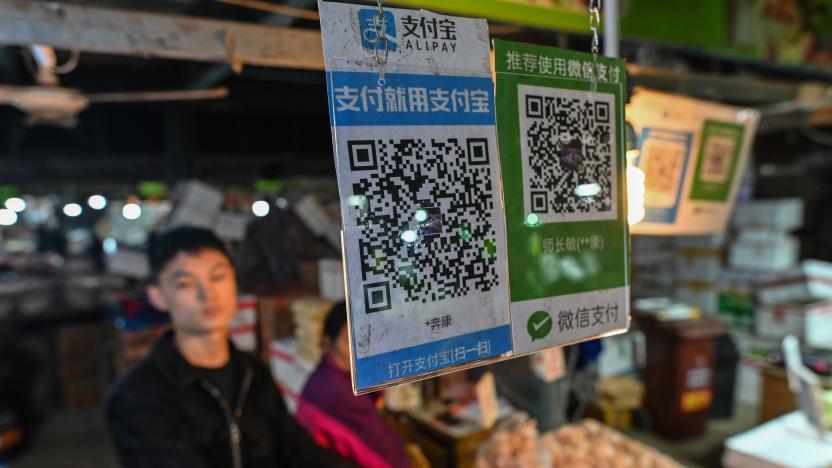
(380, 26)
(594, 24)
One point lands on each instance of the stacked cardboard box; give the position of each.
(653, 269)
(290, 371)
(798, 302)
(78, 355)
(243, 327)
(274, 315)
(763, 241)
(309, 315)
(762, 248)
(698, 263)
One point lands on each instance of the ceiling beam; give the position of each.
(102, 30)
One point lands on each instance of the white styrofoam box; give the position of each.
(289, 371)
(760, 235)
(743, 282)
(331, 279)
(703, 296)
(243, 327)
(652, 285)
(811, 323)
(713, 242)
(811, 281)
(778, 255)
(699, 266)
(616, 356)
(232, 226)
(647, 250)
(664, 269)
(128, 263)
(748, 390)
(784, 214)
(789, 440)
(195, 204)
(315, 217)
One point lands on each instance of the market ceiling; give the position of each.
(273, 123)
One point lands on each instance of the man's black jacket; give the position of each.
(163, 413)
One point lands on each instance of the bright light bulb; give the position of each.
(131, 211)
(260, 208)
(73, 210)
(635, 195)
(7, 217)
(421, 215)
(15, 204)
(532, 219)
(97, 202)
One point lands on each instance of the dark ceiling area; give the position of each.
(274, 122)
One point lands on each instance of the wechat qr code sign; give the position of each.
(568, 153)
(717, 160)
(425, 208)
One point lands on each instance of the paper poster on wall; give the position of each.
(692, 153)
(419, 180)
(562, 158)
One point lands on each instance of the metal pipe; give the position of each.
(611, 28)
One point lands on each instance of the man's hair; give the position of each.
(335, 320)
(165, 246)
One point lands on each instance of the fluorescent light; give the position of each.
(635, 195)
(131, 211)
(15, 204)
(7, 217)
(73, 210)
(260, 208)
(97, 202)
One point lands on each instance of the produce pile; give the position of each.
(516, 443)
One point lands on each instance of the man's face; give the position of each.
(199, 291)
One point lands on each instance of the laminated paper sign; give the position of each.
(692, 153)
(562, 158)
(419, 179)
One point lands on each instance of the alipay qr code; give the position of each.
(425, 208)
(568, 151)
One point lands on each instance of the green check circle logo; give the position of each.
(539, 325)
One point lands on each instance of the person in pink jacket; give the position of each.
(341, 422)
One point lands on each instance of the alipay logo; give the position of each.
(369, 34)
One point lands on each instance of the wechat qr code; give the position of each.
(568, 151)
(663, 164)
(425, 208)
(717, 159)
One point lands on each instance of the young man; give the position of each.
(195, 401)
(346, 424)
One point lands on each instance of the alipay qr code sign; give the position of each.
(419, 180)
(562, 158)
(692, 153)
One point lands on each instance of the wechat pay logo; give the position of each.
(539, 325)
